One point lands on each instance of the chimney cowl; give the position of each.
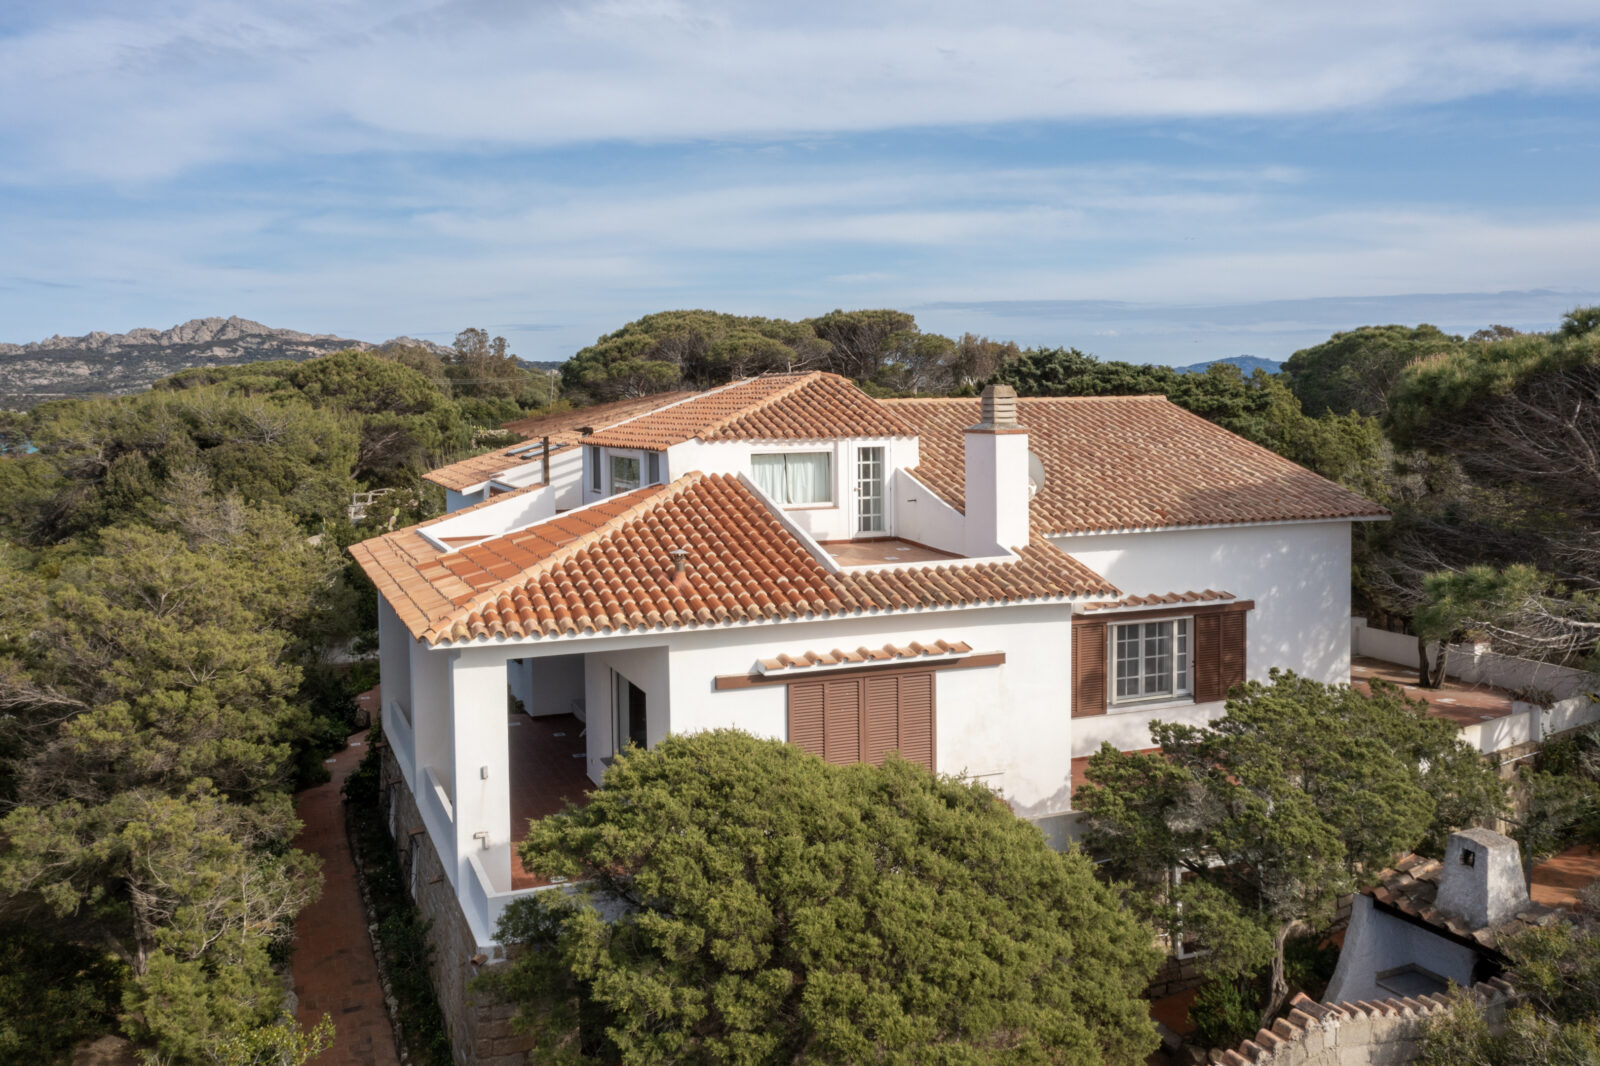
(999, 408)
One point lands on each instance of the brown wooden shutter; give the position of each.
(864, 719)
(1231, 660)
(805, 716)
(841, 721)
(917, 718)
(883, 718)
(1088, 668)
(1208, 686)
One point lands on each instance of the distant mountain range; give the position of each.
(1247, 364)
(128, 362)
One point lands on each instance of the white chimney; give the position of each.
(1481, 879)
(997, 476)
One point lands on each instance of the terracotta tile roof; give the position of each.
(567, 426)
(480, 468)
(888, 653)
(1131, 462)
(564, 428)
(607, 568)
(1204, 596)
(1412, 885)
(814, 406)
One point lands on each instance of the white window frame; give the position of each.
(1181, 684)
(637, 458)
(833, 476)
(596, 456)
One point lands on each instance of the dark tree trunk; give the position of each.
(1279, 993)
(1430, 670)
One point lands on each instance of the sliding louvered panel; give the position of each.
(841, 721)
(883, 718)
(917, 718)
(805, 716)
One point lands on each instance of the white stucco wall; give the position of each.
(1007, 725)
(834, 522)
(480, 764)
(513, 512)
(921, 515)
(1376, 943)
(1129, 730)
(1297, 574)
(551, 682)
(646, 667)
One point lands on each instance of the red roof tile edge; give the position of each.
(593, 599)
(887, 653)
(1170, 599)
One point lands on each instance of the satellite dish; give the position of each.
(1035, 475)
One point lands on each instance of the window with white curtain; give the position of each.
(795, 477)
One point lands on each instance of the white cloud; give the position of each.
(106, 95)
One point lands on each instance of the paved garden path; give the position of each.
(334, 972)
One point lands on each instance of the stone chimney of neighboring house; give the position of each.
(997, 476)
(1481, 881)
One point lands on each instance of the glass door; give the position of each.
(869, 491)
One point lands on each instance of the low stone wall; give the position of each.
(480, 1032)
(1386, 1033)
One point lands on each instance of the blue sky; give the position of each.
(1150, 181)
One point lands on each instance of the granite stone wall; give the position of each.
(481, 1033)
(1383, 1033)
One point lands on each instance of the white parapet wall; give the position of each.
(1572, 697)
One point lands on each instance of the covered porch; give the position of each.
(548, 770)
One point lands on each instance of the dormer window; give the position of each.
(795, 478)
(624, 473)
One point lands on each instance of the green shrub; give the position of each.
(53, 994)
(1225, 1012)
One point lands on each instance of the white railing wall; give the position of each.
(1474, 664)
(484, 902)
(438, 814)
(397, 733)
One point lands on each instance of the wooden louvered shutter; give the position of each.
(917, 718)
(1232, 653)
(841, 721)
(1088, 668)
(883, 718)
(1208, 686)
(805, 716)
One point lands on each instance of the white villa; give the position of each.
(992, 587)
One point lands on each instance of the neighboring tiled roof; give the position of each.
(567, 426)
(607, 567)
(480, 468)
(1131, 462)
(1412, 884)
(814, 406)
(888, 653)
(564, 428)
(1205, 596)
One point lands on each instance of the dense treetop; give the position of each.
(770, 908)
